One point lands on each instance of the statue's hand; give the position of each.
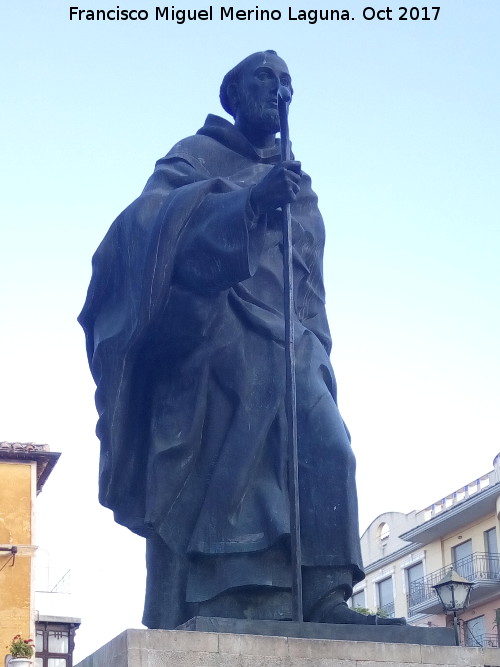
(280, 186)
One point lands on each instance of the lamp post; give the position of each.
(454, 592)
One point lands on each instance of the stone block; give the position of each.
(346, 650)
(250, 645)
(173, 640)
(377, 663)
(114, 653)
(491, 657)
(452, 655)
(321, 662)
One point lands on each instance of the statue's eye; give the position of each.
(264, 75)
(285, 81)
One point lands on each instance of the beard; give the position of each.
(259, 114)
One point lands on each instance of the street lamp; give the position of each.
(454, 593)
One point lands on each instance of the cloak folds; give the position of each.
(185, 338)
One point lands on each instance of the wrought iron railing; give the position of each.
(476, 568)
(411, 611)
(482, 641)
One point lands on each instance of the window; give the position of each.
(474, 631)
(383, 532)
(54, 644)
(490, 541)
(58, 641)
(385, 597)
(414, 578)
(492, 565)
(462, 559)
(413, 574)
(358, 599)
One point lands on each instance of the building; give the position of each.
(24, 469)
(405, 555)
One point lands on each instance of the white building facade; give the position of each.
(405, 555)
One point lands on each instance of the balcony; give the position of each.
(481, 568)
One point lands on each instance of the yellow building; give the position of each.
(24, 468)
(405, 555)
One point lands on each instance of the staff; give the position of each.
(291, 389)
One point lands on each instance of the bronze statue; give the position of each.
(185, 338)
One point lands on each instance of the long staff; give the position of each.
(291, 390)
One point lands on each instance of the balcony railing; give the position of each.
(482, 641)
(411, 608)
(477, 567)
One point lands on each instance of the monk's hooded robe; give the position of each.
(185, 339)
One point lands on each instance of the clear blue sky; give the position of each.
(396, 121)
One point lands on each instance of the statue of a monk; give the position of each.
(185, 338)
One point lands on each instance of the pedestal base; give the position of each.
(191, 648)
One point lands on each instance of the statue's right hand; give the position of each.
(280, 186)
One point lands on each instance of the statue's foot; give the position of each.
(334, 611)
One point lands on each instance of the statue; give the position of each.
(185, 338)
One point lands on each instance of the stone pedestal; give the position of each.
(184, 648)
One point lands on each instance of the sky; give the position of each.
(397, 123)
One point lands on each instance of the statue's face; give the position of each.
(258, 91)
